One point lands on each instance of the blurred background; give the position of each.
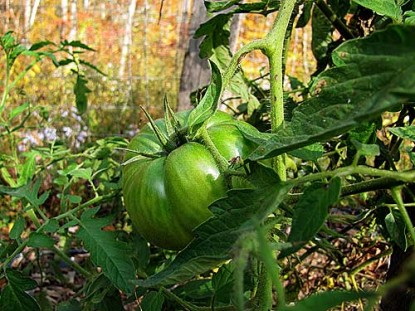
(141, 46)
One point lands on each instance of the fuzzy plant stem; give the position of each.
(397, 196)
(275, 50)
(272, 45)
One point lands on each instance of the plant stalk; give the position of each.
(276, 42)
(71, 263)
(397, 196)
(408, 176)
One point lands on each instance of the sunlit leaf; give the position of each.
(208, 105)
(383, 7)
(372, 75)
(106, 251)
(407, 132)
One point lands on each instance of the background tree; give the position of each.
(195, 72)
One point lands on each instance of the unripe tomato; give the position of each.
(167, 193)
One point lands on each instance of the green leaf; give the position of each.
(85, 63)
(326, 300)
(27, 170)
(81, 91)
(234, 216)
(70, 305)
(309, 153)
(396, 228)
(101, 295)
(305, 15)
(223, 283)
(77, 44)
(208, 105)
(18, 111)
(51, 226)
(409, 18)
(311, 212)
(14, 297)
(217, 6)
(407, 132)
(372, 75)
(106, 251)
(321, 37)
(383, 7)
(215, 46)
(366, 149)
(38, 45)
(74, 199)
(83, 173)
(195, 290)
(29, 192)
(17, 228)
(152, 301)
(37, 239)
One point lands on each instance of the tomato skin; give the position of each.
(168, 196)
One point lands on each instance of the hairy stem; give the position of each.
(276, 42)
(397, 196)
(71, 263)
(272, 269)
(219, 159)
(407, 176)
(236, 59)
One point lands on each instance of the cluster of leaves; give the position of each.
(331, 134)
(49, 189)
(64, 201)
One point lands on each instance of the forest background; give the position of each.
(140, 47)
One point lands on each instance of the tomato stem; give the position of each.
(397, 196)
(274, 49)
(219, 159)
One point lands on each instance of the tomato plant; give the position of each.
(307, 231)
(168, 185)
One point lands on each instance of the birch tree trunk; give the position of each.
(27, 12)
(74, 21)
(64, 8)
(33, 13)
(127, 38)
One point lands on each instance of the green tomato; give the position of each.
(167, 195)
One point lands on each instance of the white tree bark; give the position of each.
(27, 12)
(64, 6)
(74, 21)
(127, 38)
(33, 13)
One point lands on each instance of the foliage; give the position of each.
(334, 163)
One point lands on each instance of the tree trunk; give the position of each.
(33, 13)
(195, 72)
(74, 21)
(127, 38)
(27, 12)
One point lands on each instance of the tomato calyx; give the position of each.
(176, 134)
